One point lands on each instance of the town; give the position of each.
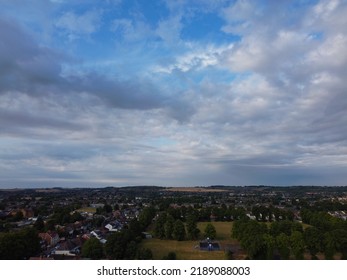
(150, 222)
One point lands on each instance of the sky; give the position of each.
(172, 93)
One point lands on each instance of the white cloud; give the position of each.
(132, 30)
(169, 29)
(331, 53)
(196, 58)
(80, 24)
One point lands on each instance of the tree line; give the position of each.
(19, 245)
(289, 240)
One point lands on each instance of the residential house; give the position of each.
(27, 213)
(51, 238)
(114, 226)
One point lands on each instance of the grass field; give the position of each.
(185, 250)
(91, 210)
(188, 250)
(223, 229)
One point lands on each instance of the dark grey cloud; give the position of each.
(284, 175)
(24, 65)
(28, 68)
(14, 121)
(129, 94)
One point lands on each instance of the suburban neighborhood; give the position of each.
(65, 219)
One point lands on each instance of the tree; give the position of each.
(313, 239)
(238, 213)
(229, 255)
(130, 250)
(31, 242)
(238, 228)
(281, 227)
(107, 208)
(117, 245)
(174, 212)
(145, 254)
(135, 227)
(169, 226)
(251, 236)
(159, 230)
(340, 236)
(297, 227)
(269, 245)
(146, 217)
(76, 216)
(297, 244)
(170, 256)
(192, 229)
(179, 232)
(218, 213)
(19, 245)
(50, 225)
(335, 241)
(329, 246)
(282, 243)
(93, 249)
(39, 224)
(210, 231)
(290, 215)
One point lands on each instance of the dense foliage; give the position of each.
(287, 239)
(19, 245)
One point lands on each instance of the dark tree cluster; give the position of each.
(19, 245)
(288, 240)
(65, 215)
(166, 227)
(327, 234)
(282, 239)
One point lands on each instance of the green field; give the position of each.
(223, 229)
(91, 210)
(187, 250)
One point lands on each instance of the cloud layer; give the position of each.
(117, 94)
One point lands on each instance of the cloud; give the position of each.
(169, 29)
(76, 25)
(132, 30)
(12, 122)
(38, 71)
(197, 58)
(285, 107)
(24, 63)
(267, 106)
